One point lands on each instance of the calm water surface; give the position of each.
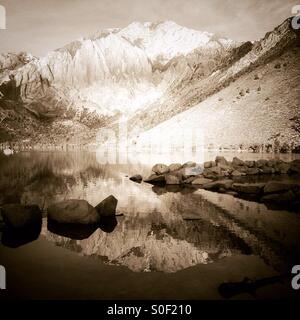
(154, 232)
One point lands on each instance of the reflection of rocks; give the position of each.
(19, 216)
(22, 224)
(107, 207)
(160, 241)
(254, 188)
(16, 237)
(72, 230)
(108, 224)
(73, 211)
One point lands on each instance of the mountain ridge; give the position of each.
(94, 81)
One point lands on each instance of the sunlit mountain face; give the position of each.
(156, 75)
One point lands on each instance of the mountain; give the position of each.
(150, 73)
(250, 100)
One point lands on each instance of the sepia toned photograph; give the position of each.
(149, 150)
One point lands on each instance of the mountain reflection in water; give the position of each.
(161, 229)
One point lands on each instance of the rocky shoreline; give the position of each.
(220, 175)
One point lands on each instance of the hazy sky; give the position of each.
(38, 26)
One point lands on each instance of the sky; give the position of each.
(39, 26)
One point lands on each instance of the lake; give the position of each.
(163, 231)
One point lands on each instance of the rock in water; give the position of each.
(73, 211)
(201, 181)
(107, 207)
(19, 216)
(237, 162)
(136, 178)
(189, 164)
(160, 168)
(209, 164)
(155, 179)
(221, 160)
(175, 167)
(216, 185)
(173, 179)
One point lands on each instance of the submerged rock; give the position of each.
(20, 216)
(73, 211)
(136, 178)
(107, 207)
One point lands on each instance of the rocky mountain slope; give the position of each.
(249, 100)
(149, 73)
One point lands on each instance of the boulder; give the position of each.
(237, 162)
(155, 179)
(201, 181)
(250, 164)
(19, 216)
(237, 173)
(173, 178)
(189, 164)
(278, 186)
(261, 163)
(215, 185)
(221, 160)
(249, 188)
(160, 168)
(225, 167)
(253, 171)
(271, 163)
(267, 170)
(209, 164)
(136, 178)
(73, 211)
(107, 207)
(282, 168)
(212, 173)
(190, 179)
(174, 167)
(193, 171)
